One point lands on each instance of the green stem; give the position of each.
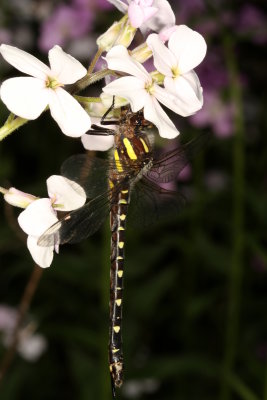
(11, 125)
(89, 79)
(235, 271)
(94, 61)
(83, 99)
(241, 389)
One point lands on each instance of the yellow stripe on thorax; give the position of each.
(145, 145)
(129, 149)
(117, 161)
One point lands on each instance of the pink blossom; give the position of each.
(217, 114)
(66, 23)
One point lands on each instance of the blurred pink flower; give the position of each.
(8, 317)
(30, 345)
(215, 113)
(93, 4)
(188, 9)
(251, 21)
(65, 24)
(5, 36)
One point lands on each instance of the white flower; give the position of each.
(65, 195)
(140, 90)
(147, 14)
(187, 49)
(27, 97)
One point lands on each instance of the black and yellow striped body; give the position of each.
(132, 149)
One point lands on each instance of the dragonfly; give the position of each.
(133, 174)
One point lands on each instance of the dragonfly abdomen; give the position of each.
(118, 215)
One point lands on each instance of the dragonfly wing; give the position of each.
(168, 167)
(78, 224)
(89, 172)
(150, 203)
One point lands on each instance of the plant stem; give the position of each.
(94, 61)
(88, 80)
(235, 271)
(22, 310)
(11, 125)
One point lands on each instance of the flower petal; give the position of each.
(24, 62)
(148, 12)
(25, 97)
(163, 18)
(98, 143)
(19, 199)
(155, 114)
(164, 60)
(65, 194)
(135, 14)
(188, 46)
(119, 59)
(37, 217)
(187, 92)
(170, 100)
(64, 67)
(42, 256)
(72, 119)
(130, 88)
(120, 5)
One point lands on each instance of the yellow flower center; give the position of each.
(175, 72)
(150, 87)
(52, 83)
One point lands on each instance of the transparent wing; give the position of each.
(168, 166)
(150, 203)
(78, 224)
(92, 172)
(89, 172)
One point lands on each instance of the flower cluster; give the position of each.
(175, 51)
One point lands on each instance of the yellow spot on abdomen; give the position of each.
(122, 217)
(115, 350)
(116, 328)
(129, 149)
(124, 191)
(121, 245)
(118, 302)
(123, 201)
(121, 228)
(119, 258)
(120, 273)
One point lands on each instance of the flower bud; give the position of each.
(18, 199)
(141, 53)
(126, 35)
(107, 39)
(157, 77)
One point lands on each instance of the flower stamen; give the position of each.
(52, 83)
